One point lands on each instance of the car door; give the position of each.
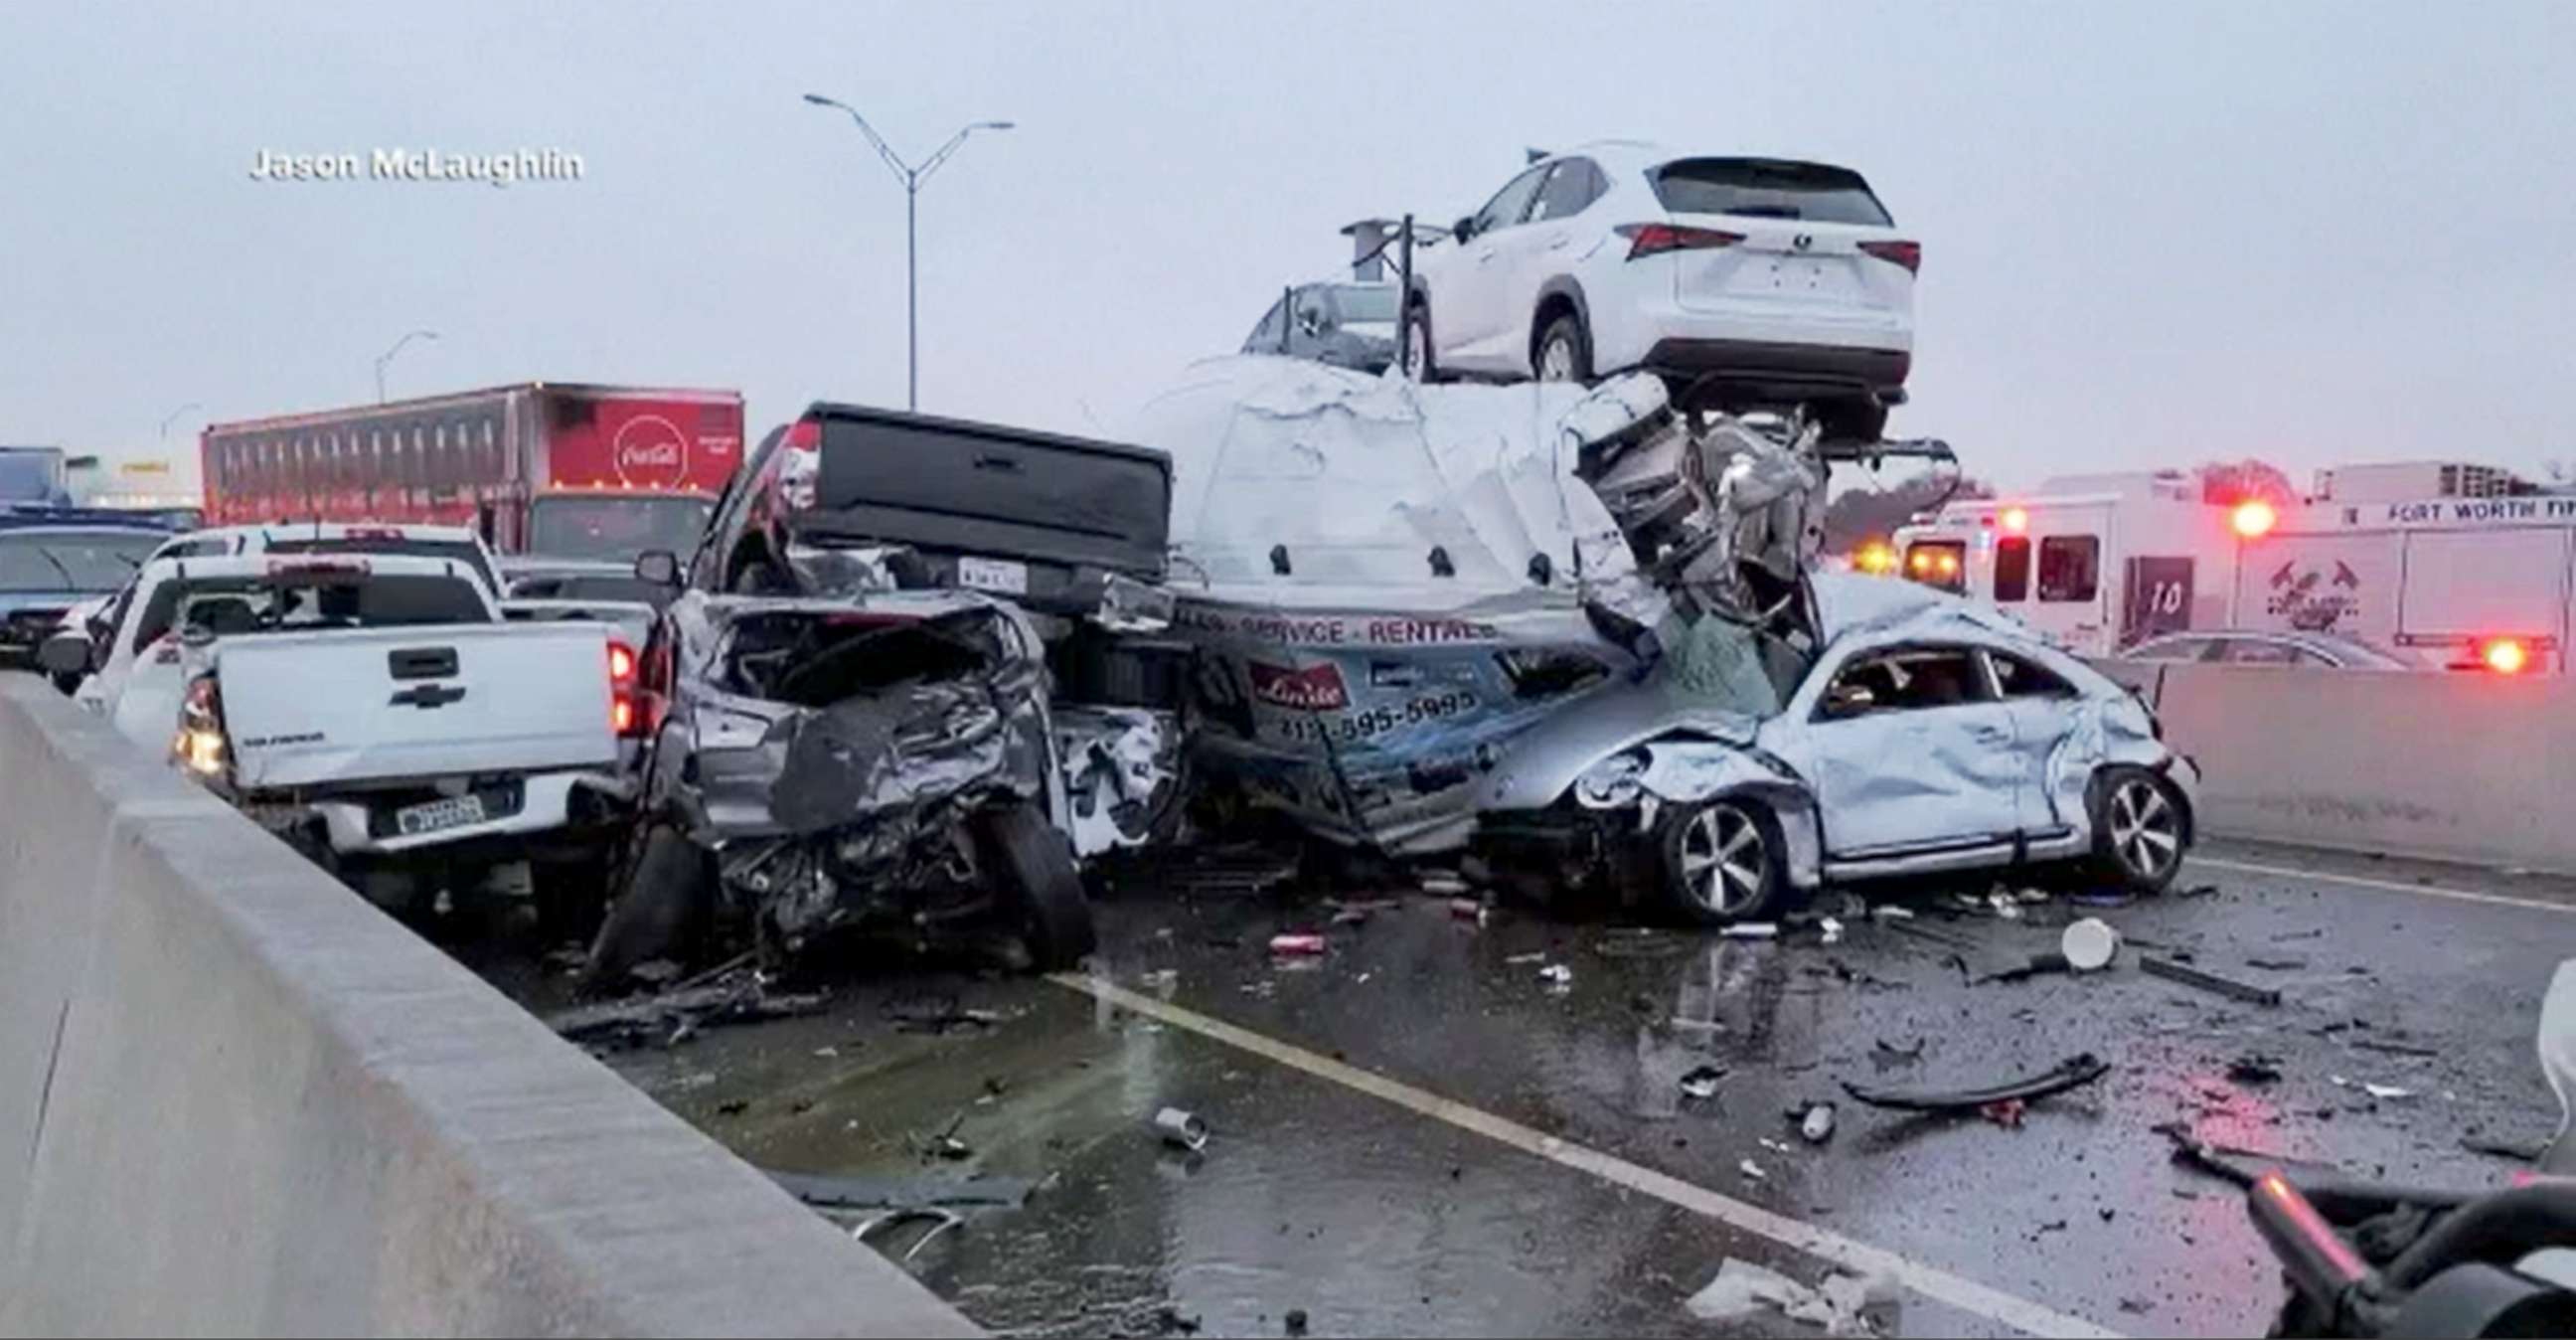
(1467, 310)
(1909, 749)
(1542, 248)
(2044, 709)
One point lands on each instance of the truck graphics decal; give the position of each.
(2311, 600)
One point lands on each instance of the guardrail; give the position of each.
(2469, 767)
(236, 1099)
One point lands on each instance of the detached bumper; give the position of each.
(528, 809)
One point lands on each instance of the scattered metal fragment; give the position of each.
(2253, 1068)
(1891, 912)
(2393, 1048)
(1832, 928)
(2277, 964)
(2077, 1071)
(674, 1016)
(1701, 1081)
(2524, 1151)
(1557, 976)
(1752, 1171)
(1818, 1125)
(1534, 956)
(2006, 1113)
(934, 1014)
(1297, 943)
(832, 1192)
(2036, 965)
(1181, 1130)
(1752, 930)
(946, 1220)
(2172, 971)
(2199, 891)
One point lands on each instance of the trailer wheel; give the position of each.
(665, 896)
(1032, 866)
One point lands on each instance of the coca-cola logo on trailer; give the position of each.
(650, 453)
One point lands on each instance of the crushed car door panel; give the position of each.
(2044, 711)
(1909, 750)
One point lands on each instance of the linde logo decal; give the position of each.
(650, 452)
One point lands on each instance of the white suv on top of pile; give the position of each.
(1765, 281)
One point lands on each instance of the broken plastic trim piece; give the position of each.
(2075, 1072)
(2172, 971)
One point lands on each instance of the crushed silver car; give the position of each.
(883, 761)
(1920, 734)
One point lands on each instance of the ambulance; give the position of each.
(2449, 564)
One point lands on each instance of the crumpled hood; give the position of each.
(1625, 713)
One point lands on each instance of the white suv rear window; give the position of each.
(1769, 189)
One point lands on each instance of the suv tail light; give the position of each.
(804, 435)
(200, 745)
(1654, 239)
(625, 711)
(1907, 254)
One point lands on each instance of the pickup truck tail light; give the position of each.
(625, 705)
(200, 745)
(1654, 239)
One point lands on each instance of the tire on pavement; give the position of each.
(1720, 861)
(665, 896)
(2140, 829)
(1031, 867)
(1563, 352)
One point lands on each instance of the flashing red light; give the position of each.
(2016, 520)
(621, 663)
(2254, 519)
(2505, 655)
(1654, 239)
(1907, 254)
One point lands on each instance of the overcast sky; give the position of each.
(2153, 233)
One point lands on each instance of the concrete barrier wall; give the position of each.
(2460, 766)
(236, 1099)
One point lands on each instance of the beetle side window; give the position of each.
(2019, 678)
(1902, 680)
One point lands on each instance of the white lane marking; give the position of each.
(1930, 1281)
(2384, 885)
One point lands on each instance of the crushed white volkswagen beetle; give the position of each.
(1926, 735)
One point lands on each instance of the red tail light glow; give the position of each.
(2505, 655)
(1654, 239)
(623, 716)
(805, 435)
(2254, 519)
(1907, 254)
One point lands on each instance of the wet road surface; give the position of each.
(1416, 1133)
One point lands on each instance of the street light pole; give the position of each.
(172, 416)
(388, 356)
(912, 179)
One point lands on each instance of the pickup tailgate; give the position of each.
(312, 709)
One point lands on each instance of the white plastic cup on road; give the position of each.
(1181, 1130)
(2089, 944)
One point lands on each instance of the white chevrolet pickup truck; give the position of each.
(378, 713)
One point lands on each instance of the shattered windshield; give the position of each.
(77, 561)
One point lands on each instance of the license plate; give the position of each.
(993, 574)
(414, 820)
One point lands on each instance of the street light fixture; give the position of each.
(388, 356)
(912, 179)
(172, 417)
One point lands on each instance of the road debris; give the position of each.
(1559, 978)
(2175, 972)
(2277, 964)
(1752, 930)
(832, 1192)
(2253, 1068)
(1468, 909)
(1752, 1171)
(1181, 1130)
(2036, 965)
(1845, 1305)
(2519, 1151)
(1534, 956)
(2382, 1092)
(939, 1014)
(1296, 1321)
(1832, 928)
(2075, 1072)
(1887, 1055)
(2198, 891)
(2393, 1048)
(2088, 945)
(1701, 1081)
(943, 1219)
(2007, 1113)
(1297, 943)
(675, 1016)
(1818, 1125)
(1891, 912)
